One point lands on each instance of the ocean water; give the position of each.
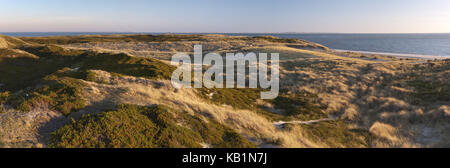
(416, 44)
(411, 44)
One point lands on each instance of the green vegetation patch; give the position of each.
(43, 78)
(311, 64)
(337, 134)
(216, 134)
(19, 70)
(59, 93)
(238, 98)
(132, 126)
(429, 80)
(128, 65)
(430, 91)
(301, 106)
(46, 51)
(4, 96)
(126, 127)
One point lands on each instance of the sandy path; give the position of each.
(279, 124)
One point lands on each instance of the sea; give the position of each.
(396, 44)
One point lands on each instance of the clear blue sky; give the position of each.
(341, 16)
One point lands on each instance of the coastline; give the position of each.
(398, 55)
(55, 34)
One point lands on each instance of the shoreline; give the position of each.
(398, 55)
(57, 34)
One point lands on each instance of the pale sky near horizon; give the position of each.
(313, 16)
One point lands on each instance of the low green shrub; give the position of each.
(59, 93)
(91, 76)
(132, 126)
(238, 98)
(21, 71)
(337, 134)
(2, 109)
(216, 134)
(301, 105)
(430, 91)
(4, 97)
(128, 65)
(49, 51)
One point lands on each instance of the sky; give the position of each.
(226, 16)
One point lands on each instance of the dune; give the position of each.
(373, 102)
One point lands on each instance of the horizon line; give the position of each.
(136, 32)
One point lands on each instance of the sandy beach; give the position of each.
(398, 55)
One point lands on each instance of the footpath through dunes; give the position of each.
(88, 78)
